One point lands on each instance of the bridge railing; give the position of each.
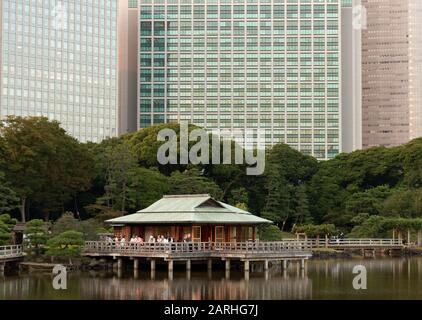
(7, 252)
(104, 247)
(349, 243)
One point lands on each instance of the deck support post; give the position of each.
(284, 265)
(227, 265)
(188, 265)
(209, 265)
(247, 266)
(266, 265)
(152, 265)
(171, 264)
(302, 264)
(227, 269)
(119, 264)
(136, 264)
(2, 265)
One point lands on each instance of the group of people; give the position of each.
(138, 240)
(160, 239)
(122, 240)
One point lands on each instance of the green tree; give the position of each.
(278, 200)
(118, 164)
(193, 182)
(36, 232)
(89, 228)
(42, 163)
(287, 172)
(301, 211)
(6, 227)
(67, 245)
(9, 201)
(313, 231)
(370, 201)
(404, 203)
(146, 187)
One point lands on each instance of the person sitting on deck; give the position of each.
(151, 239)
(123, 242)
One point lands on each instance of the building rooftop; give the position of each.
(187, 209)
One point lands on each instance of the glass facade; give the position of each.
(59, 60)
(244, 64)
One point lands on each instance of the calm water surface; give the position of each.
(397, 278)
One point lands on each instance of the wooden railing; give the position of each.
(8, 252)
(101, 247)
(349, 243)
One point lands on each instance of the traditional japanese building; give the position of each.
(199, 218)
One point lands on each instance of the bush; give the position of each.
(273, 233)
(66, 245)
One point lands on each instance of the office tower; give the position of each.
(352, 22)
(59, 60)
(392, 72)
(236, 64)
(128, 65)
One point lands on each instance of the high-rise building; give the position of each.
(352, 23)
(59, 60)
(392, 72)
(237, 64)
(128, 65)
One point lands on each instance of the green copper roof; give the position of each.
(190, 209)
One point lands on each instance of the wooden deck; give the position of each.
(252, 251)
(9, 254)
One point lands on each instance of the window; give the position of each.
(219, 234)
(196, 237)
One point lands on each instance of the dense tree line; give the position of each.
(45, 173)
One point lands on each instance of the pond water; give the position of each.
(388, 278)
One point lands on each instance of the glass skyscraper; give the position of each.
(243, 64)
(59, 60)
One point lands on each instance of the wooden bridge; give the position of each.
(9, 254)
(344, 244)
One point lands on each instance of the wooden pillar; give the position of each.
(2, 265)
(227, 269)
(188, 265)
(209, 265)
(247, 266)
(227, 265)
(326, 241)
(119, 264)
(170, 265)
(302, 264)
(266, 265)
(153, 265)
(135, 264)
(284, 265)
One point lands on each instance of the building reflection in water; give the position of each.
(198, 288)
(398, 278)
